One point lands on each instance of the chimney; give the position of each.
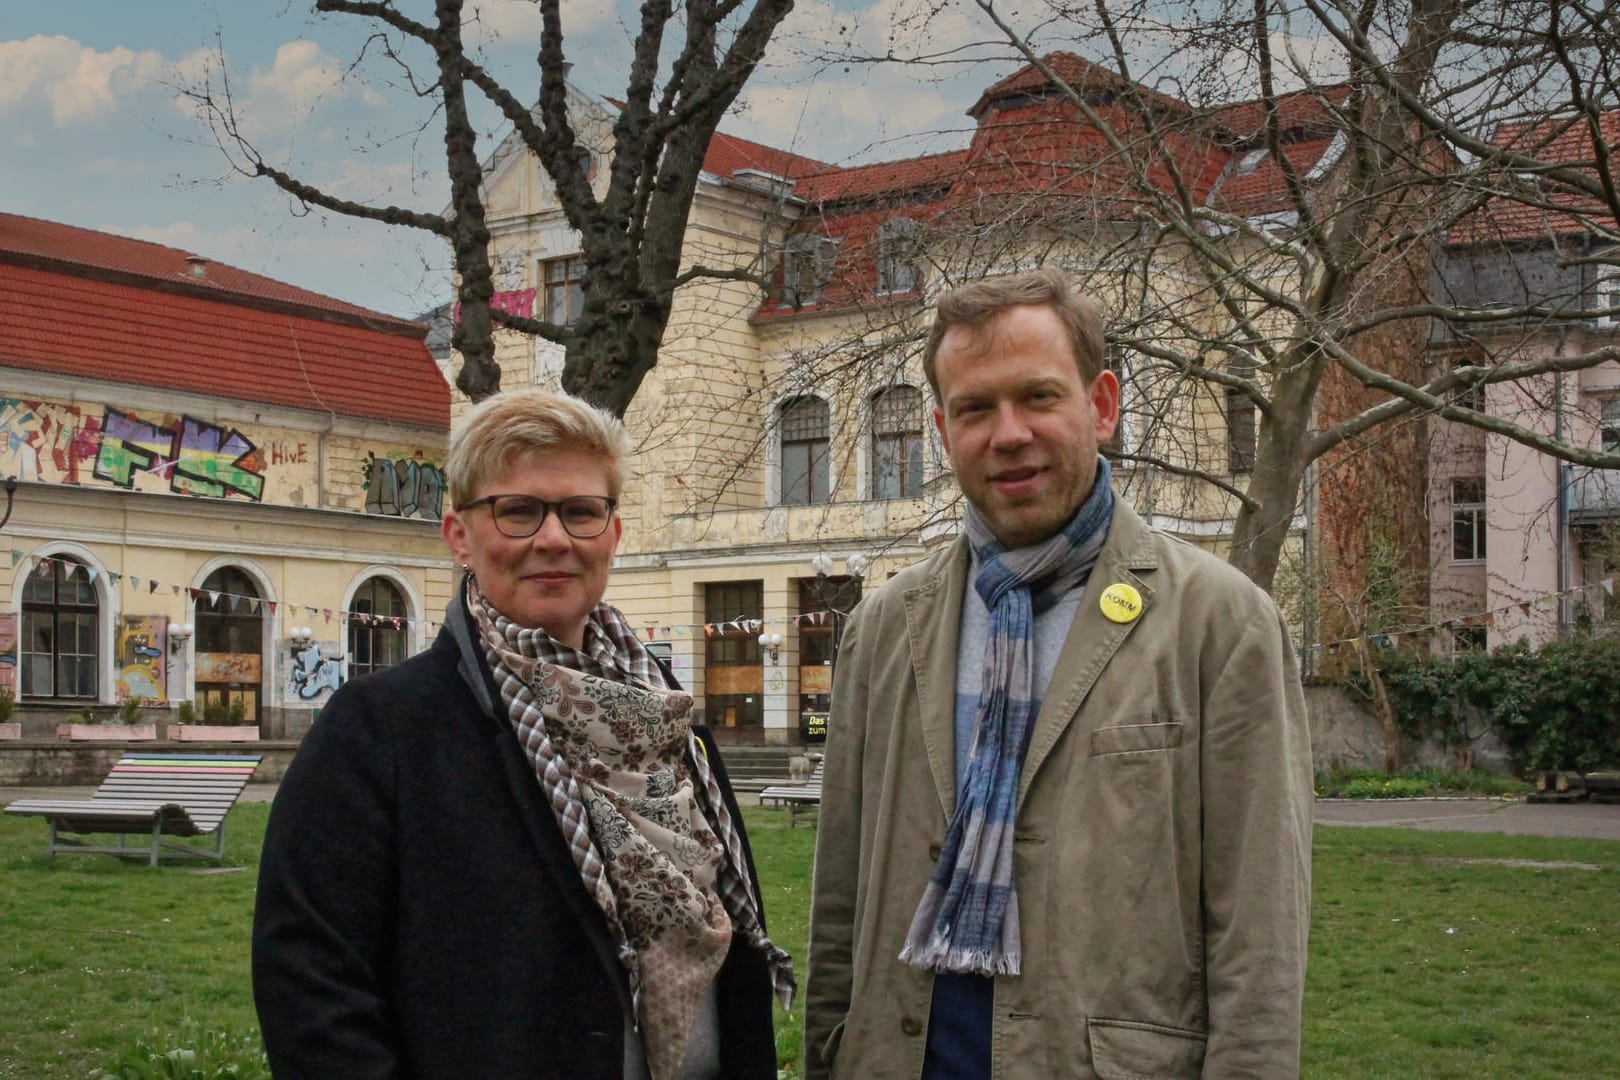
(197, 266)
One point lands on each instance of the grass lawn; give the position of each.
(1432, 954)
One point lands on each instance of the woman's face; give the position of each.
(550, 580)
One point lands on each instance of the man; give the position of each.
(1065, 826)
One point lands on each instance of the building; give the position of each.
(787, 455)
(228, 488)
(1524, 546)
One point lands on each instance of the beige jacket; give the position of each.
(1162, 851)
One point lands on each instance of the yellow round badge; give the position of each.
(1121, 603)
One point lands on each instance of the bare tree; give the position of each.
(689, 62)
(1289, 205)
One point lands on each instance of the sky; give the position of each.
(97, 128)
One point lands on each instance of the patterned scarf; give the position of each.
(967, 920)
(658, 853)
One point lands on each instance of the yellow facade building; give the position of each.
(227, 490)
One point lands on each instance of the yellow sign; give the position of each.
(1121, 604)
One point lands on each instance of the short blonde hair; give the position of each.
(975, 304)
(502, 428)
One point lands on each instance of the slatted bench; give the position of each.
(161, 795)
(798, 798)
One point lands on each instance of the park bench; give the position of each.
(160, 795)
(798, 798)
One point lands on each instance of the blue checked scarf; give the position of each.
(967, 920)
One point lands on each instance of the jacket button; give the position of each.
(911, 1026)
(934, 852)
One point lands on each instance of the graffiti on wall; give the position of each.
(404, 487)
(8, 652)
(314, 671)
(62, 444)
(141, 640)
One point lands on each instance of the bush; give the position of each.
(7, 703)
(215, 712)
(1557, 707)
(129, 710)
(238, 712)
(186, 713)
(1413, 783)
(193, 1054)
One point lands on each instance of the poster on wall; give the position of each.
(8, 652)
(227, 667)
(141, 670)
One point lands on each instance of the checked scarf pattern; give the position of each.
(967, 920)
(652, 839)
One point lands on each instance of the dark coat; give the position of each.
(418, 912)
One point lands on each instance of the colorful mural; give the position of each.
(8, 652)
(403, 487)
(225, 667)
(314, 671)
(141, 669)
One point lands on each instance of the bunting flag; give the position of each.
(213, 598)
(16, 556)
(235, 601)
(1608, 586)
(1524, 608)
(328, 613)
(113, 578)
(271, 604)
(90, 573)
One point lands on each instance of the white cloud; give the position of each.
(491, 24)
(302, 75)
(80, 84)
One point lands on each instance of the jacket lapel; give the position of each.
(933, 626)
(1093, 638)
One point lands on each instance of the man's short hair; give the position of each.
(975, 304)
(502, 428)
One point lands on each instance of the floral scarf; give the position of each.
(611, 757)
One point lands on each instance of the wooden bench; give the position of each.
(161, 795)
(798, 798)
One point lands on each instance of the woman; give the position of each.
(512, 855)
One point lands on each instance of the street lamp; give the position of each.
(179, 634)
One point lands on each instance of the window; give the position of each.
(1609, 424)
(818, 645)
(1468, 519)
(375, 641)
(229, 643)
(59, 631)
(898, 253)
(1242, 432)
(1470, 395)
(564, 289)
(734, 678)
(806, 267)
(804, 429)
(1606, 297)
(1467, 638)
(897, 443)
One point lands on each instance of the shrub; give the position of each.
(186, 713)
(129, 710)
(215, 712)
(238, 711)
(7, 703)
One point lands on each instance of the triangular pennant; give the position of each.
(1524, 609)
(90, 574)
(114, 579)
(328, 613)
(195, 594)
(16, 556)
(1490, 618)
(708, 630)
(271, 604)
(253, 604)
(236, 601)
(1608, 586)
(213, 597)
(396, 622)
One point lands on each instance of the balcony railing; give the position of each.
(1594, 494)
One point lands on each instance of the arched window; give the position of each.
(376, 627)
(897, 443)
(805, 431)
(230, 647)
(59, 631)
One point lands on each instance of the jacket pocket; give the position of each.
(1133, 738)
(1130, 1050)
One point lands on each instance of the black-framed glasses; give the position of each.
(584, 517)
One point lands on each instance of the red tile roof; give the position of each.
(882, 178)
(1560, 140)
(1077, 72)
(90, 305)
(728, 154)
(1310, 110)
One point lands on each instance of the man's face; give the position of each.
(1019, 424)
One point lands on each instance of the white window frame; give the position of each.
(1476, 511)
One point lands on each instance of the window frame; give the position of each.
(817, 449)
(572, 280)
(898, 250)
(366, 624)
(1469, 514)
(75, 611)
(806, 254)
(911, 462)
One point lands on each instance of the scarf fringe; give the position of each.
(941, 956)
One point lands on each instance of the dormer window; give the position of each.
(898, 256)
(806, 267)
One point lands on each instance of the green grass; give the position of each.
(1431, 955)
